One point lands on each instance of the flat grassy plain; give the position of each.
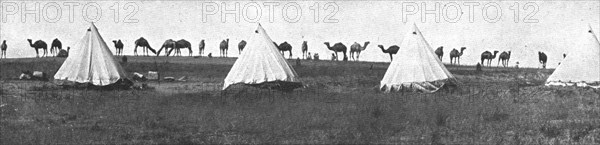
(338, 105)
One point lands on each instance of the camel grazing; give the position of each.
(285, 46)
(182, 44)
(168, 45)
(39, 45)
(356, 48)
(487, 55)
(455, 55)
(55, 47)
(3, 47)
(241, 46)
(542, 58)
(440, 52)
(224, 46)
(504, 57)
(337, 47)
(201, 47)
(305, 50)
(145, 47)
(391, 50)
(118, 47)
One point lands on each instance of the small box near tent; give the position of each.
(152, 75)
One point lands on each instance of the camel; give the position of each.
(455, 55)
(224, 46)
(488, 55)
(182, 44)
(542, 58)
(305, 50)
(504, 57)
(564, 55)
(241, 46)
(39, 45)
(201, 47)
(3, 48)
(356, 48)
(145, 47)
(391, 50)
(169, 44)
(55, 47)
(440, 52)
(118, 46)
(285, 46)
(337, 47)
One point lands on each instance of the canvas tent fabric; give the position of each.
(581, 67)
(415, 67)
(261, 63)
(90, 62)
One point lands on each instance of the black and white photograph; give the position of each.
(299, 72)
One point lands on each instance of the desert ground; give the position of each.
(339, 104)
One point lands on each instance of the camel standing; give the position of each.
(55, 47)
(179, 44)
(201, 47)
(455, 55)
(224, 46)
(39, 45)
(487, 55)
(241, 46)
(3, 47)
(440, 52)
(542, 58)
(305, 50)
(504, 57)
(285, 46)
(356, 48)
(118, 46)
(168, 45)
(391, 50)
(145, 47)
(337, 47)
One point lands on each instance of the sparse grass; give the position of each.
(338, 106)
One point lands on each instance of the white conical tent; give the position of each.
(415, 67)
(90, 61)
(260, 62)
(581, 67)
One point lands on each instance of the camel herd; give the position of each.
(171, 46)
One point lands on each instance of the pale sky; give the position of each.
(560, 25)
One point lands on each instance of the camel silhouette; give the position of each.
(440, 52)
(55, 47)
(3, 47)
(542, 58)
(168, 45)
(487, 55)
(455, 55)
(356, 48)
(224, 46)
(118, 47)
(39, 45)
(201, 47)
(241, 46)
(142, 42)
(391, 50)
(337, 47)
(504, 57)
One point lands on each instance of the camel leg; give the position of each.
(135, 50)
(458, 59)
